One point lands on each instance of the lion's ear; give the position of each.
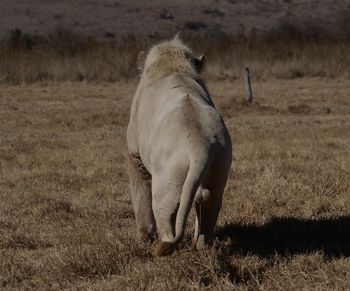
(199, 62)
(141, 58)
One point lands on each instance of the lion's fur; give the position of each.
(167, 58)
(183, 144)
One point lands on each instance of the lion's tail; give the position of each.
(193, 179)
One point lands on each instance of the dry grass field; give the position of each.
(66, 220)
(287, 53)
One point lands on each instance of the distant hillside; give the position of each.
(112, 18)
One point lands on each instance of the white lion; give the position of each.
(179, 149)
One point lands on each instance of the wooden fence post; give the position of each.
(248, 86)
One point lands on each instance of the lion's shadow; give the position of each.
(289, 236)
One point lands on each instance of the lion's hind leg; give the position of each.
(141, 196)
(167, 188)
(207, 211)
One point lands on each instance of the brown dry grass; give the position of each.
(287, 53)
(65, 215)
